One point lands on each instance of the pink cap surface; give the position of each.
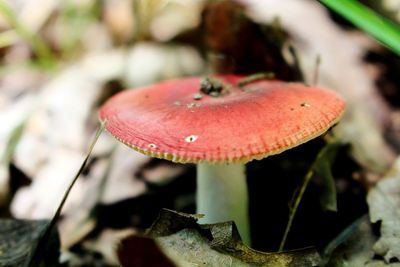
(260, 119)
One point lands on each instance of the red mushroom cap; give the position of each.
(169, 120)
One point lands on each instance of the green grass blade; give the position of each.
(322, 167)
(38, 254)
(385, 31)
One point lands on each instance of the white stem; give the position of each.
(222, 195)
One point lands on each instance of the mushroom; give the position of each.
(220, 124)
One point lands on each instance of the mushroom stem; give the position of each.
(222, 195)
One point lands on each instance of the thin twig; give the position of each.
(293, 209)
(316, 70)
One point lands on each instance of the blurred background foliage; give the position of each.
(60, 60)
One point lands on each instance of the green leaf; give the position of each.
(366, 19)
(5, 161)
(322, 168)
(12, 143)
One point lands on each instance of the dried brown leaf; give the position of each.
(384, 206)
(188, 243)
(354, 247)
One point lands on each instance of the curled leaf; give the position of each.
(187, 243)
